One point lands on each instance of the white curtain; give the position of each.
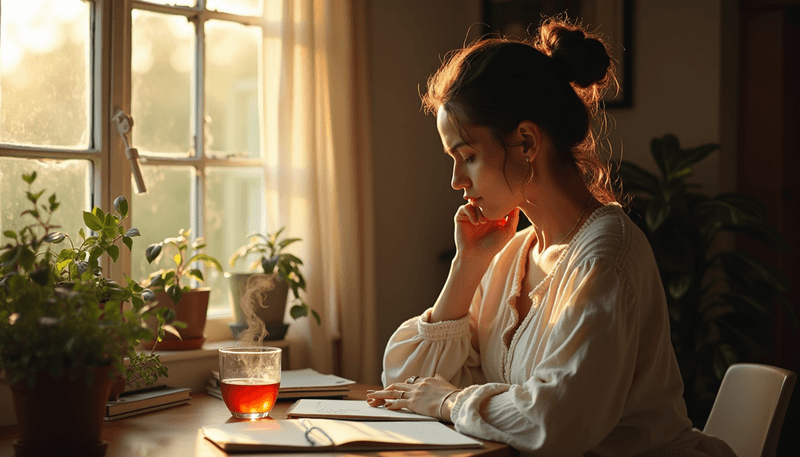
(318, 176)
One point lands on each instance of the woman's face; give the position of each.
(478, 166)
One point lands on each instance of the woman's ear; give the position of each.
(529, 135)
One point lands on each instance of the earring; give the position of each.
(530, 167)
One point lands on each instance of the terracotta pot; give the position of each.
(62, 416)
(191, 310)
(269, 307)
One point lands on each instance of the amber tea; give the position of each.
(249, 380)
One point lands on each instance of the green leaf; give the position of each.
(206, 259)
(197, 274)
(34, 197)
(152, 252)
(128, 242)
(101, 215)
(287, 242)
(298, 311)
(29, 178)
(82, 234)
(92, 221)
(113, 252)
(10, 234)
(121, 205)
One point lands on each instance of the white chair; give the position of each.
(749, 409)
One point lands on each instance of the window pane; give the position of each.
(232, 89)
(45, 79)
(68, 179)
(161, 213)
(244, 7)
(234, 209)
(162, 59)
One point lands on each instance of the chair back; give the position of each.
(749, 409)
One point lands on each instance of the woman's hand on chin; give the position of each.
(480, 238)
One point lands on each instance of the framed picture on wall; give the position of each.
(611, 18)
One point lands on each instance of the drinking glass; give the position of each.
(249, 380)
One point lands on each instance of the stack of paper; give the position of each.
(305, 383)
(145, 400)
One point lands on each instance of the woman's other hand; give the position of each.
(424, 397)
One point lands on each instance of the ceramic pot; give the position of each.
(269, 307)
(62, 416)
(191, 310)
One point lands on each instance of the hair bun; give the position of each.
(578, 58)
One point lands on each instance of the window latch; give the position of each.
(124, 124)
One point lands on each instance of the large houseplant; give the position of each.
(190, 304)
(64, 333)
(721, 299)
(282, 273)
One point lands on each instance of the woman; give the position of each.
(555, 339)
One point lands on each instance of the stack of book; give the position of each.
(305, 383)
(145, 400)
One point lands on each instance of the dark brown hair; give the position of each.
(555, 78)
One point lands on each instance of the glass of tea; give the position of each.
(249, 380)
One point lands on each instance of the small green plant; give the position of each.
(720, 299)
(270, 256)
(58, 311)
(169, 279)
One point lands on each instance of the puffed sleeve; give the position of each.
(419, 347)
(576, 394)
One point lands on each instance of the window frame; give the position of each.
(111, 41)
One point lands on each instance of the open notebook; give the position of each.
(327, 434)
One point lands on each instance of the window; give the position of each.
(191, 73)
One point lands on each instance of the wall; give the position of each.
(414, 202)
(677, 59)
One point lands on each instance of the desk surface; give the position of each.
(176, 431)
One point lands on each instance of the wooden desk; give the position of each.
(176, 432)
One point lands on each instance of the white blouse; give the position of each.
(590, 370)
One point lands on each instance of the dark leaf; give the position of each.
(41, 276)
(152, 252)
(132, 232)
(689, 157)
(657, 212)
(121, 205)
(269, 264)
(128, 242)
(29, 178)
(174, 293)
(665, 151)
(636, 179)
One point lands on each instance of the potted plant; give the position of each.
(63, 331)
(721, 299)
(268, 291)
(190, 305)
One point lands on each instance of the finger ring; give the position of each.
(401, 393)
(411, 379)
